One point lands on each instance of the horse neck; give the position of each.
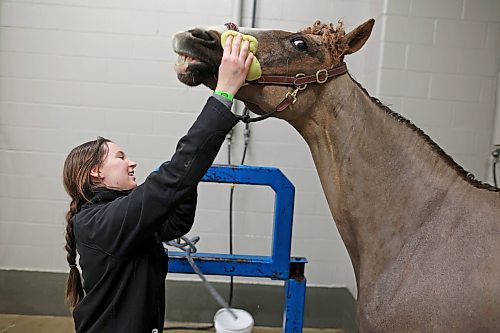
(379, 175)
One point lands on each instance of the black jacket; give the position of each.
(119, 233)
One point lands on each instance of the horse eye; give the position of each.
(299, 44)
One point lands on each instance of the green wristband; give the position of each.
(224, 94)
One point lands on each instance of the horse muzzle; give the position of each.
(199, 55)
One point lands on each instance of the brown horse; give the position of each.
(422, 234)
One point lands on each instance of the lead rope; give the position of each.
(247, 119)
(188, 246)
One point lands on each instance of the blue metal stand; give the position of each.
(278, 266)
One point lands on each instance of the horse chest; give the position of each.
(424, 293)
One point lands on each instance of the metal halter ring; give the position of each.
(321, 71)
(304, 86)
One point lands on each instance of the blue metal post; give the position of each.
(295, 296)
(279, 265)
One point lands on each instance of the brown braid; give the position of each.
(74, 288)
(78, 185)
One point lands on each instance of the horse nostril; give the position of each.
(201, 34)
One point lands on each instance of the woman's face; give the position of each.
(117, 171)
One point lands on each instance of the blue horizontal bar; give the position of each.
(221, 256)
(214, 266)
(229, 265)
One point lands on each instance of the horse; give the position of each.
(423, 235)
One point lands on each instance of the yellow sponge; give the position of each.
(254, 72)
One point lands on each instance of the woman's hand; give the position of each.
(234, 65)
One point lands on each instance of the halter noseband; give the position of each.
(298, 82)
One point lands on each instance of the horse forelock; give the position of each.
(332, 36)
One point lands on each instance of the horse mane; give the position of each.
(467, 176)
(331, 35)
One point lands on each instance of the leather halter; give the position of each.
(298, 82)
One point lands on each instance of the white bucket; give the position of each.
(224, 321)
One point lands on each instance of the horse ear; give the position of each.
(358, 37)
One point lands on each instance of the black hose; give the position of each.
(231, 281)
(495, 174)
(188, 245)
(254, 10)
(231, 194)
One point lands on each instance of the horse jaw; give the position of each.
(263, 99)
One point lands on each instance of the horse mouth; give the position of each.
(192, 70)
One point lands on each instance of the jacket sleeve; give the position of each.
(181, 220)
(124, 224)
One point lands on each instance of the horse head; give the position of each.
(307, 53)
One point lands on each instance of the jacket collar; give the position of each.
(104, 195)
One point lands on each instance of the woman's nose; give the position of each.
(132, 164)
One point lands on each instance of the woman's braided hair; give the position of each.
(78, 185)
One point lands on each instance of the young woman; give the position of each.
(117, 227)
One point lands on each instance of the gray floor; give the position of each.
(46, 324)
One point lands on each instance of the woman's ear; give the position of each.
(95, 174)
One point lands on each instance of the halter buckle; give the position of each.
(319, 79)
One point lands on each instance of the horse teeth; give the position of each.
(187, 59)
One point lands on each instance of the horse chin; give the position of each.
(194, 74)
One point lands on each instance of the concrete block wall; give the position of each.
(71, 70)
(439, 69)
